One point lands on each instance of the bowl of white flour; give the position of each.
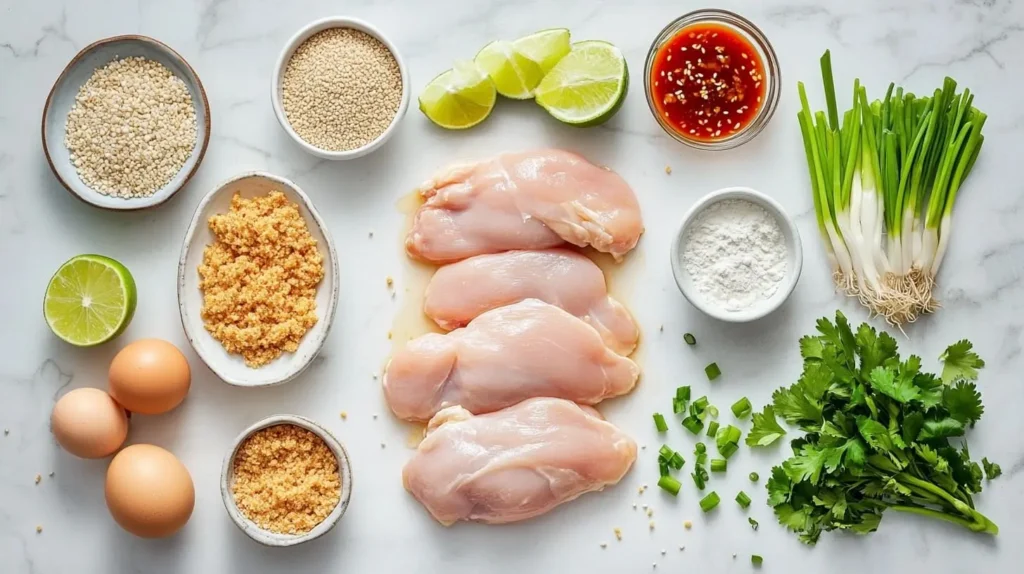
(737, 256)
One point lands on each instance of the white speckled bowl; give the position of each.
(282, 62)
(793, 249)
(62, 97)
(266, 537)
(230, 367)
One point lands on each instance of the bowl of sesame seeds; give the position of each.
(126, 124)
(340, 88)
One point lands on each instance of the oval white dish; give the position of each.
(794, 253)
(250, 528)
(282, 62)
(230, 367)
(62, 97)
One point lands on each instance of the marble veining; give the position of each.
(233, 45)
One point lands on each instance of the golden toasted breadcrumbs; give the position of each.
(286, 479)
(259, 278)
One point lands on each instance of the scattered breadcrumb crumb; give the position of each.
(344, 416)
(618, 533)
(688, 525)
(650, 512)
(39, 478)
(39, 529)
(668, 169)
(389, 281)
(651, 525)
(389, 335)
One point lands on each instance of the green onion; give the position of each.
(678, 406)
(712, 371)
(712, 428)
(659, 422)
(698, 406)
(702, 457)
(662, 468)
(754, 477)
(698, 480)
(677, 461)
(742, 408)
(690, 339)
(693, 424)
(756, 560)
(712, 410)
(719, 464)
(700, 448)
(742, 499)
(665, 453)
(683, 393)
(727, 440)
(729, 449)
(709, 502)
(753, 523)
(670, 485)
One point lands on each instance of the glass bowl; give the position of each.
(765, 52)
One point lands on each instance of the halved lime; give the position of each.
(586, 87)
(545, 48)
(90, 300)
(514, 75)
(459, 98)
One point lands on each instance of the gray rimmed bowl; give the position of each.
(794, 253)
(231, 368)
(266, 537)
(62, 97)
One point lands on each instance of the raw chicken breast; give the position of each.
(461, 291)
(525, 350)
(528, 200)
(514, 464)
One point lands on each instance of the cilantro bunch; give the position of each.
(878, 433)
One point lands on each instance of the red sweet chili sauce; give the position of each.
(707, 82)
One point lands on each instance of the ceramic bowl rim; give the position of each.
(285, 56)
(793, 247)
(328, 314)
(274, 539)
(134, 204)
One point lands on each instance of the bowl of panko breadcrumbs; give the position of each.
(257, 281)
(340, 88)
(285, 481)
(126, 124)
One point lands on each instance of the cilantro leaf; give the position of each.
(766, 429)
(810, 347)
(992, 470)
(963, 401)
(875, 349)
(899, 389)
(876, 435)
(806, 466)
(960, 362)
(801, 403)
(941, 428)
(795, 520)
(779, 486)
(912, 424)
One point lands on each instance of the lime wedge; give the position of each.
(545, 48)
(514, 75)
(90, 300)
(586, 87)
(459, 98)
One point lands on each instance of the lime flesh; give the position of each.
(586, 87)
(89, 300)
(514, 75)
(459, 98)
(545, 48)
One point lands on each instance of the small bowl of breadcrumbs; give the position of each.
(257, 281)
(286, 481)
(340, 88)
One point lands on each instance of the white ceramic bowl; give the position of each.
(62, 97)
(266, 537)
(793, 249)
(231, 367)
(286, 55)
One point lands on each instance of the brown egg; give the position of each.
(149, 492)
(89, 423)
(149, 376)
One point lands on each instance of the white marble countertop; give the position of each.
(233, 44)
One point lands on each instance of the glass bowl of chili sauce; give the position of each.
(712, 79)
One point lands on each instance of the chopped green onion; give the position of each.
(670, 485)
(753, 523)
(690, 339)
(683, 393)
(665, 453)
(719, 464)
(756, 560)
(693, 424)
(754, 477)
(678, 406)
(712, 371)
(712, 428)
(709, 502)
(677, 461)
(697, 407)
(742, 499)
(713, 411)
(659, 422)
(700, 448)
(729, 449)
(742, 408)
(702, 457)
(700, 477)
(662, 468)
